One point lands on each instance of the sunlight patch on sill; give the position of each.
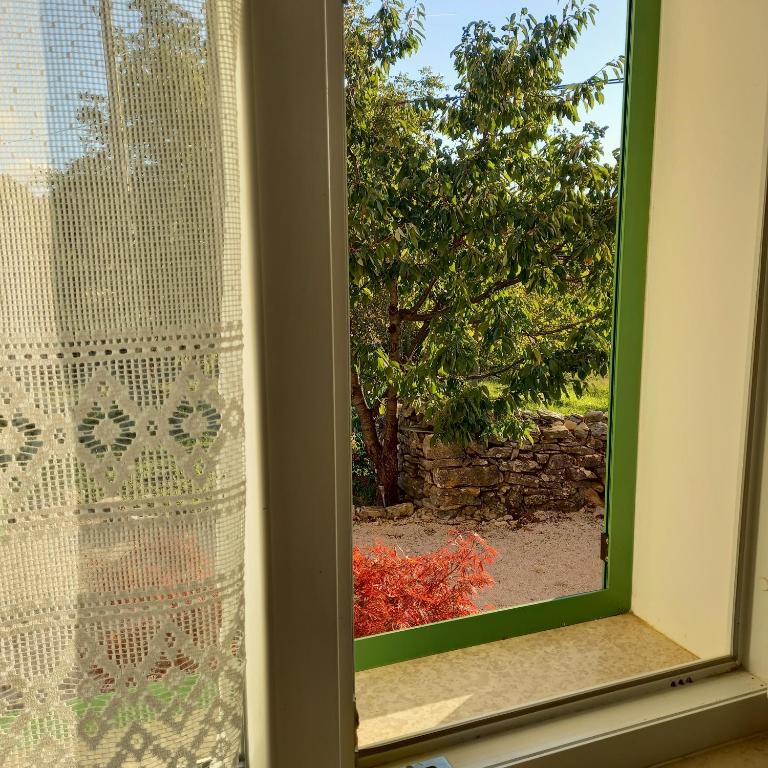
(417, 696)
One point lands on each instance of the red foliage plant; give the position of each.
(152, 566)
(395, 591)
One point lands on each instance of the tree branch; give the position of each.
(408, 315)
(564, 327)
(495, 371)
(423, 296)
(419, 339)
(367, 422)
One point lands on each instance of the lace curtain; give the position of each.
(121, 452)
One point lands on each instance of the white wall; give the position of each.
(704, 241)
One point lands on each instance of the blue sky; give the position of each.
(50, 53)
(445, 20)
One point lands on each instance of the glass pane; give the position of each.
(483, 175)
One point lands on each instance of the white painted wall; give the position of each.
(704, 241)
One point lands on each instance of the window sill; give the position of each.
(636, 732)
(441, 691)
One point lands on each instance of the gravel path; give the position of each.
(555, 556)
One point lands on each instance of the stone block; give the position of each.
(556, 432)
(372, 513)
(448, 477)
(516, 478)
(576, 449)
(445, 463)
(436, 449)
(581, 430)
(395, 511)
(593, 461)
(559, 461)
(507, 452)
(579, 474)
(550, 415)
(411, 487)
(456, 496)
(537, 499)
(521, 465)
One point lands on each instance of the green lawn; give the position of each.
(190, 688)
(596, 398)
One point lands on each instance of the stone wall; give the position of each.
(562, 470)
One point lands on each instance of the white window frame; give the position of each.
(295, 122)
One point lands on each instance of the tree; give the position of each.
(139, 192)
(481, 226)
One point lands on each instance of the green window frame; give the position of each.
(629, 300)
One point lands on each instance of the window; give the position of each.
(614, 598)
(313, 550)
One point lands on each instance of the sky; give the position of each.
(51, 52)
(445, 20)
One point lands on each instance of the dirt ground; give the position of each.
(554, 556)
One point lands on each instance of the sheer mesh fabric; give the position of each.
(121, 451)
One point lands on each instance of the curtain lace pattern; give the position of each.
(121, 434)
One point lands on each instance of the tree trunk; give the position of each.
(382, 449)
(389, 469)
(368, 422)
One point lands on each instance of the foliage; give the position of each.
(595, 396)
(151, 154)
(164, 565)
(481, 226)
(394, 591)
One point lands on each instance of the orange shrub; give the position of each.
(395, 591)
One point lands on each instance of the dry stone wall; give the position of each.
(561, 470)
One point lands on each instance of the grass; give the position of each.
(596, 397)
(95, 708)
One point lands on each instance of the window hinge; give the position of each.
(604, 546)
